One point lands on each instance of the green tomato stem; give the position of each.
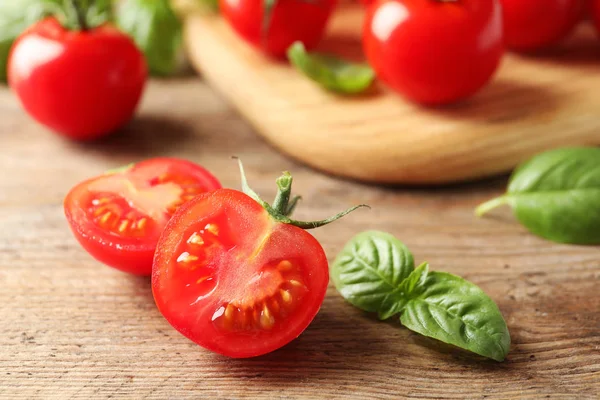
(491, 204)
(79, 13)
(284, 191)
(282, 207)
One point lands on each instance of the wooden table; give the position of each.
(71, 328)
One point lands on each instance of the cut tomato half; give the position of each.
(237, 275)
(118, 217)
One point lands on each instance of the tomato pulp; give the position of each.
(81, 84)
(535, 24)
(432, 51)
(118, 217)
(238, 277)
(290, 21)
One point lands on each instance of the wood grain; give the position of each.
(534, 104)
(74, 329)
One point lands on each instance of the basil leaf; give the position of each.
(455, 311)
(556, 195)
(369, 270)
(156, 30)
(15, 17)
(415, 279)
(330, 72)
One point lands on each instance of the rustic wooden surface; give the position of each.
(534, 103)
(71, 328)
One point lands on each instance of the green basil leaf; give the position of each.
(556, 195)
(330, 72)
(15, 17)
(369, 270)
(415, 279)
(455, 311)
(156, 30)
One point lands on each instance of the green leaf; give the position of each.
(330, 72)
(415, 279)
(369, 270)
(556, 195)
(455, 311)
(15, 17)
(156, 30)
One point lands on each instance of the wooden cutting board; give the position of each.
(534, 104)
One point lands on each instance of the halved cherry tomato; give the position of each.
(290, 21)
(118, 217)
(238, 277)
(434, 51)
(534, 24)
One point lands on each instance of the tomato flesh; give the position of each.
(118, 217)
(234, 280)
(434, 52)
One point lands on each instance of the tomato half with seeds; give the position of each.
(236, 275)
(118, 217)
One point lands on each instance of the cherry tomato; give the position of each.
(534, 24)
(81, 84)
(433, 51)
(118, 217)
(290, 21)
(237, 275)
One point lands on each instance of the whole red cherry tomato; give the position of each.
(81, 84)
(534, 24)
(117, 217)
(238, 276)
(434, 51)
(289, 21)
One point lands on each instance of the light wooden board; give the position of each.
(533, 104)
(71, 328)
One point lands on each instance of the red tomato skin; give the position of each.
(291, 20)
(248, 219)
(134, 257)
(131, 255)
(434, 52)
(594, 11)
(82, 85)
(536, 24)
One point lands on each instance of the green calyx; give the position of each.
(285, 204)
(82, 15)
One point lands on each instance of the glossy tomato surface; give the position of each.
(118, 217)
(535, 24)
(291, 20)
(80, 84)
(235, 281)
(434, 52)
(594, 9)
